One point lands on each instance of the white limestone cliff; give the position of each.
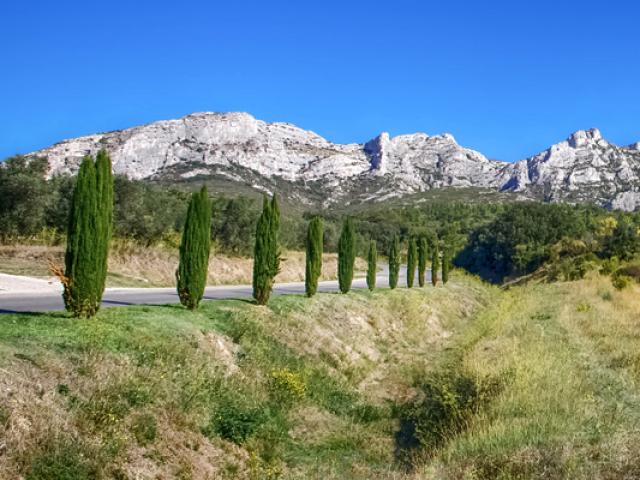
(240, 148)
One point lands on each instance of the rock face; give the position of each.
(237, 148)
(585, 167)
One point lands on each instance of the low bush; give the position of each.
(63, 459)
(236, 421)
(620, 282)
(144, 428)
(448, 401)
(286, 387)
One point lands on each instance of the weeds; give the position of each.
(62, 458)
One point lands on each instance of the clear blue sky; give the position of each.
(507, 78)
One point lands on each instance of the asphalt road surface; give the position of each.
(115, 297)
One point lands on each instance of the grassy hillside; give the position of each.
(460, 381)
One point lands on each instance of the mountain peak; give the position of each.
(583, 137)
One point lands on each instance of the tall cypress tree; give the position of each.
(313, 269)
(195, 246)
(372, 265)
(435, 260)
(81, 276)
(412, 257)
(274, 242)
(445, 265)
(266, 255)
(422, 259)
(104, 218)
(346, 256)
(394, 262)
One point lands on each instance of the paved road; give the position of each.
(113, 297)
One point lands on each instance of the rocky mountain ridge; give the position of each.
(239, 149)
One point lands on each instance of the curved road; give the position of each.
(113, 297)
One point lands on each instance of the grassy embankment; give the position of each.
(132, 265)
(536, 382)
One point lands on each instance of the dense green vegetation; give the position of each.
(34, 209)
(572, 239)
(195, 247)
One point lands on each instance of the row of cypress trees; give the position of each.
(90, 228)
(417, 254)
(417, 259)
(195, 246)
(194, 254)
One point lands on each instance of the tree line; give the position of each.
(33, 207)
(90, 227)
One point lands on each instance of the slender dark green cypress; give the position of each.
(372, 265)
(412, 258)
(195, 246)
(445, 265)
(274, 243)
(346, 256)
(104, 218)
(266, 255)
(315, 232)
(435, 261)
(394, 262)
(81, 276)
(422, 259)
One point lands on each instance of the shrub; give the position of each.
(609, 265)
(144, 428)
(63, 459)
(235, 421)
(450, 399)
(632, 271)
(287, 387)
(620, 282)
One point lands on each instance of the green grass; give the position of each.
(231, 380)
(462, 381)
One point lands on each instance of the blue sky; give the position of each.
(507, 78)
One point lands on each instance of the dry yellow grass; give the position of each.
(131, 265)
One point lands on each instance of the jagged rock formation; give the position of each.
(237, 148)
(585, 167)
